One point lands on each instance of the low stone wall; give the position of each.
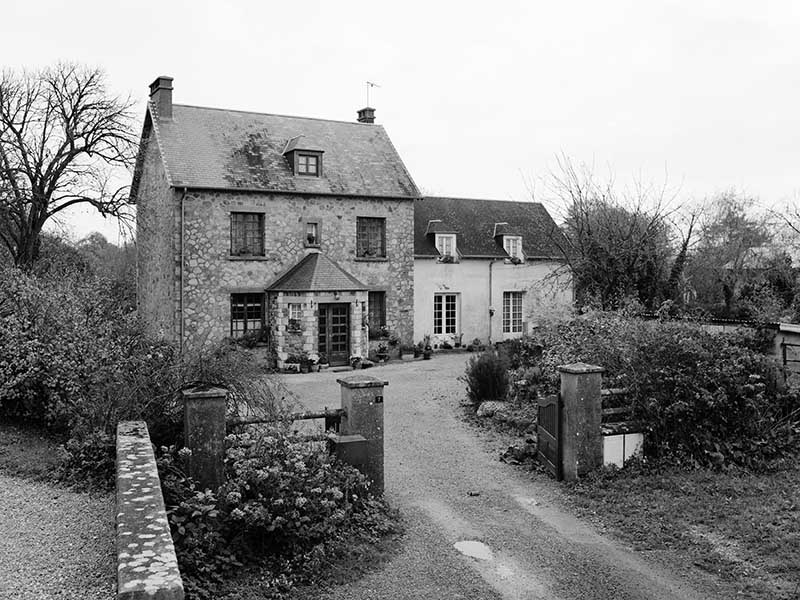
(146, 562)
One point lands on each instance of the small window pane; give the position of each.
(247, 314)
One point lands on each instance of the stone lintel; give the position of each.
(361, 381)
(580, 369)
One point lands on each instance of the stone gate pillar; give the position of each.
(362, 401)
(204, 434)
(582, 442)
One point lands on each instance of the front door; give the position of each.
(334, 332)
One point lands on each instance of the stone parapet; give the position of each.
(146, 562)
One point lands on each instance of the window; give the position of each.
(371, 237)
(295, 316)
(446, 244)
(377, 314)
(247, 314)
(512, 312)
(312, 233)
(513, 245)
(308, 164)
(444, 313)
(247, 234)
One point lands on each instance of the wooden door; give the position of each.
(334, 332)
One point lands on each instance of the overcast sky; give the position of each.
(478, 97)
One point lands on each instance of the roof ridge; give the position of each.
(265, 114)
(480, 200)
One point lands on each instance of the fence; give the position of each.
(576, 433)
(354, 432)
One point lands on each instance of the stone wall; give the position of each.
(211, 274)
(157, 243)
(146, 562)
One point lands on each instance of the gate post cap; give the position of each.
(580, 368)
(361, 381)
(204, 391)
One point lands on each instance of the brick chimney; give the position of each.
(161, 96)
(366, 115)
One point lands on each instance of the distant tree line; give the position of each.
(724, 258)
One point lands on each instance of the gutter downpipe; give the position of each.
(491, 310)
(183, 218)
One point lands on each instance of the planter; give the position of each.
(427, 354)
(304, 368)
(383, 357)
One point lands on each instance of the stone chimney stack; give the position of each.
(366, 115)
(161, 96)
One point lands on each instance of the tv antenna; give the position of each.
(370, 85)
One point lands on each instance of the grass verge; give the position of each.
(740, 526)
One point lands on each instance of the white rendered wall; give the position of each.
(547, 292)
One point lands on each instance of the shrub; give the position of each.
(701, 394)
(75, 363)
(486, 377)
(285, 506)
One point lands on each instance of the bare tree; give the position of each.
(62, 135)
(617, 244)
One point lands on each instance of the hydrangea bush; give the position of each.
(286, 507)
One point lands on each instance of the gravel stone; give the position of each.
(55, 543)
(433, 459)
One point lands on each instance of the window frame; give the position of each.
(302, 160)
(246, 300)
(239, 230)
(441, 242)
(517, 240)
(317, 223)
(447, 301)
(376, 326)
(513, 311)
(295, 322)
(365, 229)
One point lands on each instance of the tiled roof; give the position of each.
(214, 148)
(474, 223)
(316, 272)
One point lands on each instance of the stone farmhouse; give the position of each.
(485, 269)
(310, 236)
(293, 231)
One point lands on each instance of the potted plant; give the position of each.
(459, 337)
(426, 348)
(305, 363)
(292, 363)
(418, 349)
(355, 361)
(447, 258)
(383, 352)
(313, 361)
(323, 361)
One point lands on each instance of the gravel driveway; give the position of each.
(55, 543)
(434, 466)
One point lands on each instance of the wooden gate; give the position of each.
(548, 435)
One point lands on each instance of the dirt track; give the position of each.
(435, 464)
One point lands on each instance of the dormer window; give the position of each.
(512, 244)
(308, 164)
(304, 157)
(446, 244)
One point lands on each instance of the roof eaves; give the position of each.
(249, 190)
